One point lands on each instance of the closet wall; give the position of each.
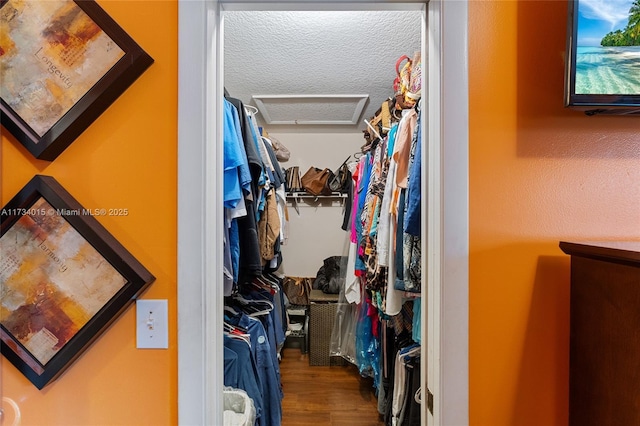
(315, 227)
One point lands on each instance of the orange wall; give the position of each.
(126, 159)
(539, 173)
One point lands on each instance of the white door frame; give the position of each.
(200, 300)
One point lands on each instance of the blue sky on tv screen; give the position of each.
(596, 18)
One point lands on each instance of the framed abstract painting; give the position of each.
(64, 279)
(63, 63)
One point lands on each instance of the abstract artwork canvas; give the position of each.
(63, 279)
(63, 63)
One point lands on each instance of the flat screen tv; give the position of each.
(603, 56)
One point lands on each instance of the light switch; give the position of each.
(152, 325)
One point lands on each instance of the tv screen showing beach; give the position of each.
(608, 47)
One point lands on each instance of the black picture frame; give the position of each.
(65, 279)
(22, 105)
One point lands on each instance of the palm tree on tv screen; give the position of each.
(634, 21)
(630, 36)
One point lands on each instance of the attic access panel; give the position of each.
(311, 109)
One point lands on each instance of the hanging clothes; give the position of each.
(241, 372)
(385, 264)
(254, 180)
(243, 230)
(259, 309)
(412, 241)
(255, 217)
(266, 374)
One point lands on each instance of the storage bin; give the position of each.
(239, 409)
(322, 315)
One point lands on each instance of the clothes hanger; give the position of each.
(234, 330)
(263, 285)
(254, 310)
(259, 313)
(251, 303)
(237, 334)
(274, 278)
(373, 129)
(266, 281)
(270, 280)
(252, 110)
(393, 114)
(230, 310)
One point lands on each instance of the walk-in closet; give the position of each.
(322, 160)
(322, 290)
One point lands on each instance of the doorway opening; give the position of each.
(445, 268)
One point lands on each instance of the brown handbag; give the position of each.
(297, 289)
(316, 181)
(292, 175)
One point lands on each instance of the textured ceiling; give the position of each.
(319, 53)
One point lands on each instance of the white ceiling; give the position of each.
(317, 53)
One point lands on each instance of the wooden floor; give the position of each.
(329, 396)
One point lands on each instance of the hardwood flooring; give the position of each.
(330, 396)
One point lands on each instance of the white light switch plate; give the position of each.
(152, 324)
